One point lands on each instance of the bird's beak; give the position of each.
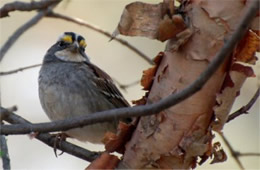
(74, 47)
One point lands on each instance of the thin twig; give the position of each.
(24, 6)
(248, 154)
(19, 69)
(106, 33)
(4, 148)
(4, 153)
(232, 151)
(12, 39)
(244, 109)
(122, 86)
(50, 140)
(19, 32)
(148, 109)
(125, 86)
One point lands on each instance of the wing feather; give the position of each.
(107, 87)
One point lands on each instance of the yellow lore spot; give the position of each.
(67, 38)
(82, 43)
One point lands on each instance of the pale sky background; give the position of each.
(21, 89)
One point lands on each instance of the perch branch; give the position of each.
(244, 109)
(4, 153)
(12, 39)
(148, 109)
(19, 69)
(50, 140)
(106, 33)
(24, 6)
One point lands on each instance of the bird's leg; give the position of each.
(59, 137)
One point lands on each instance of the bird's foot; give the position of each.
(58, 139)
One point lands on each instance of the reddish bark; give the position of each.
(176, 137)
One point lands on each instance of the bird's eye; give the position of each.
(62, 44)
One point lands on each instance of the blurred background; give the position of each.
(21, 89)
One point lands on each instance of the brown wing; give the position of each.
(107, 87)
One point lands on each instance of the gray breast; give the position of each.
(66, 90)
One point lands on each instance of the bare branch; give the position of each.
(122, 86)
(244, 109)
(50, 140)
(19, 69)
(125, 86)
(148, 109)
(19, 32)
(12, 39)
(4, 153)
(23, 6)
(4, 148)
(106, 33)
(232, 151)
(248, 154)
(5, 112)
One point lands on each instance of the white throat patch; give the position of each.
(67, 55)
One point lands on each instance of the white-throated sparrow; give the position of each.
(70, 85)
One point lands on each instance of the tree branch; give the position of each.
(106, 33)
(125, 86)
(122, 86)
(4, 153)
(247, 154)
(12, 39)
(4, 148)
(50, 140)
(148, 109)
(244, 109)
(19, 69)
(232, 151)
(23, 6)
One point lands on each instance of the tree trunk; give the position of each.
(176, 137)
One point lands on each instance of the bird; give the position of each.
(69, 85)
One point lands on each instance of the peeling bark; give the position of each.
(176, 137)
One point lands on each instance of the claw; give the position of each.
(57, 142)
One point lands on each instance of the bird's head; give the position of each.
(70, 47)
